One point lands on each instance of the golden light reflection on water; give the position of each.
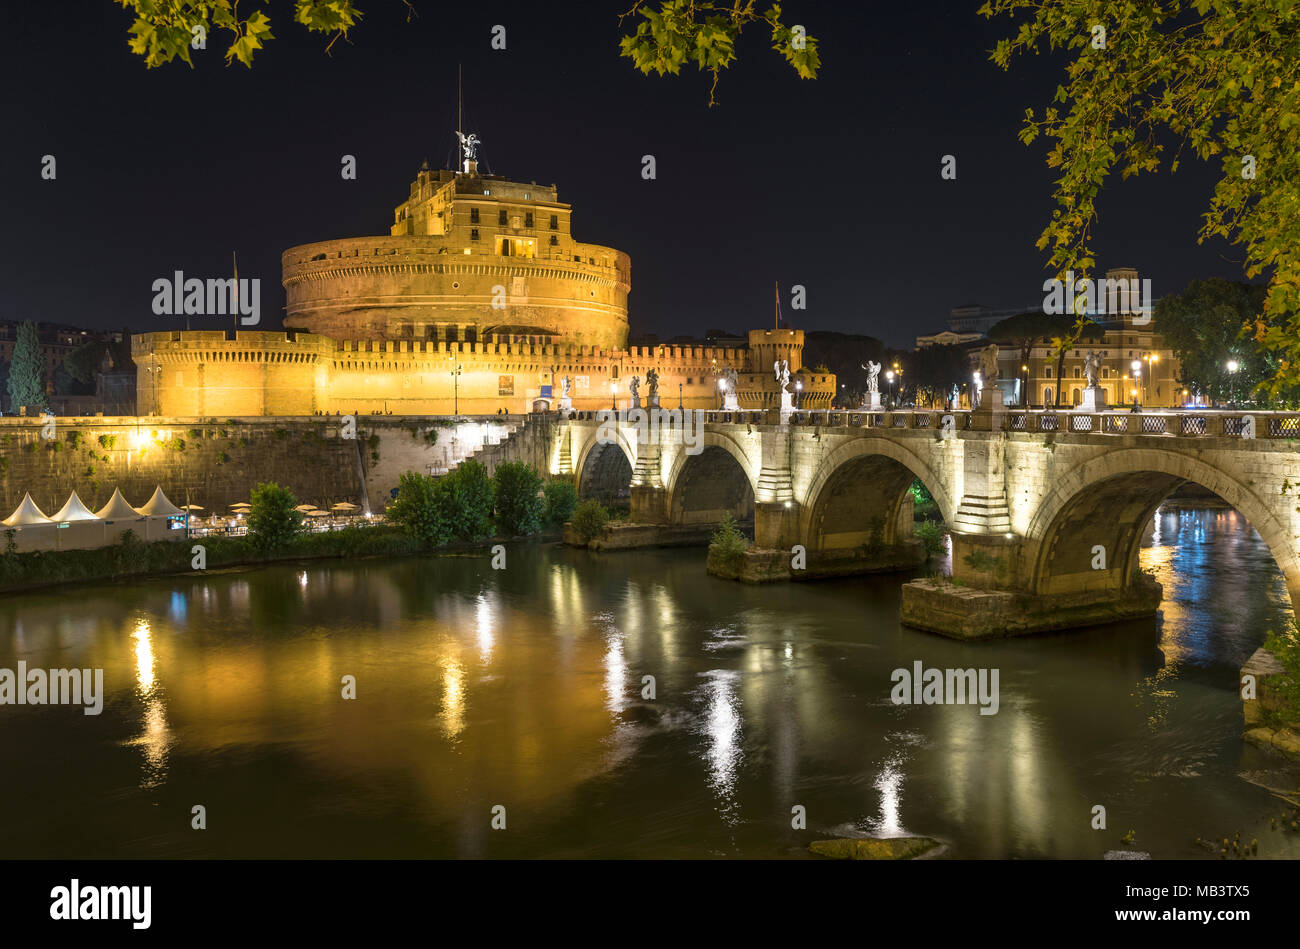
(452, 715)
(615, 672)
(483, 624)
(155, 737)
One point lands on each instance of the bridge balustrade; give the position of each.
(1154, 424)
(1191, 424)
(1284, 426)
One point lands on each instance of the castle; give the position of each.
(479, 300)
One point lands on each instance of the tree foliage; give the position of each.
(1203, 326)
(673, 33)
(165, 29)
(27, 370)
(273, 520)
(561, 499)
(589, 520)
(467, 500)
(1222, 77)
(517, 498)
(418, 509)
(1026, 330)
(669, 35)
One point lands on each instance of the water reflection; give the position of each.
(479, 687)
(154, 739)
(721, 728)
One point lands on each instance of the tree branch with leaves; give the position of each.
(674, 33)
(1222, 77)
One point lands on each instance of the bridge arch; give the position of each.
(1108, 501)
(860, 487)
(603, 470)
(721, 477)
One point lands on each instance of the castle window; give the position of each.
(473, 215)
(555, 222)
(473, 234)
(501, 217)
(528, 219)
(554, 240)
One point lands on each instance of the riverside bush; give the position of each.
(561, 499)
(931, 534)
(272, 520)
(466, 496)
(517, 498)
(589, 520)
(728, 545)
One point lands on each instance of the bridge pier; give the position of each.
(989, 595)
(649, 504)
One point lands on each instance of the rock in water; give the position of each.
(873, 848)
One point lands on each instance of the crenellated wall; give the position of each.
(293, 373)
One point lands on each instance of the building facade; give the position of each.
(1136, 363)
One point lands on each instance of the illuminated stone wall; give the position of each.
(264, 373)
(212, 462)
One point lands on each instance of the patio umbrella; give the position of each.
(191, 507)
(305, 508)
(345, 506)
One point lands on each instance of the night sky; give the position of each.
(832, 183)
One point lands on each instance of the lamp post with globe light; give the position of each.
(1136, 366)
(1233, 366)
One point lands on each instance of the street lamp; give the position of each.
(613, 395)
(889, 377)
(798, 391)
(1136, 366)
(1233, 366)
(455, 376)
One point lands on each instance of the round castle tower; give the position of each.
(469, 256)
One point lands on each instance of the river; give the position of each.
(523, 688)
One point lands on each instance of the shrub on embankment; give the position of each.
(727, 549)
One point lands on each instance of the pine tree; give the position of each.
(26, 376)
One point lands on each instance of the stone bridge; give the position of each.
(1046, 510)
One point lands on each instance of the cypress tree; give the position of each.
(26, 375)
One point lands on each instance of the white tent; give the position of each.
(117, 509)
(159, 506)
(26, 514)
(74, 510)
